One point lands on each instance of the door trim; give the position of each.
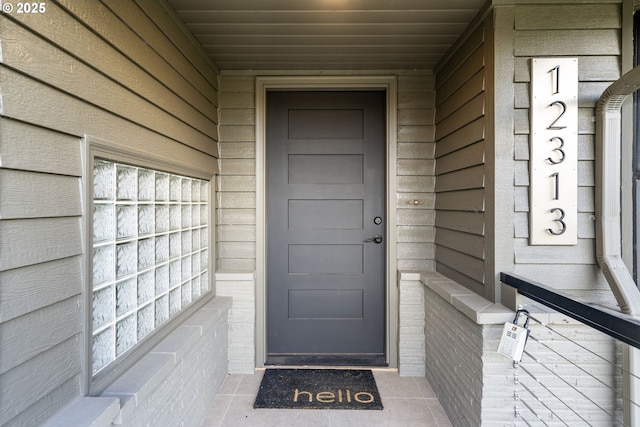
(389, 85)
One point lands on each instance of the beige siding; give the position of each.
(461, 127)
(415, 172)
(121, 71)
(237, 192)
(465, 207)
(592, 33)
(415, 165)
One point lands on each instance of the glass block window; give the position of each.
(150, 253)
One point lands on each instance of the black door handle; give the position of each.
(377, 239)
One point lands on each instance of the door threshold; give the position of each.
(327, 360)
(356, 368)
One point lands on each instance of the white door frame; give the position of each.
(389, 84)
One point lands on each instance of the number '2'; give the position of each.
(563, 106)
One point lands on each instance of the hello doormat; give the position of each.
(318, 389)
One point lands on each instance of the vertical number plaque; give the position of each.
(553, 192)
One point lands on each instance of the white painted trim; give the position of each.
(388, 83)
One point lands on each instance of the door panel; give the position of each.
(325, 124)
(325, 186)
(325, 169)
(326, 214)
(325, 304)
(325, 259)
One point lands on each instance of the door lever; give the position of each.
(376, 239)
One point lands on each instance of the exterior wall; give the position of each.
(415, 165)
(468, 242)
(482, 170)
(450, 334)
(462, 358)
(415, 181)
(237, 184)
(478, 386)
(461, 140)
(119, 71)
(242, 320)
(593, 33)
(174, 384)
(469, 377)
(411, 335)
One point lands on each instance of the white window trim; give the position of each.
(98, 148)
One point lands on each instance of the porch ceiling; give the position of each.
(326, 34)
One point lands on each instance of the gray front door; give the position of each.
(325, 228)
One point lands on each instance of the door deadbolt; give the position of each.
(377, 220)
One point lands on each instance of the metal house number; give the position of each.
(553, 161)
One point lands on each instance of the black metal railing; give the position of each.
(571, 372)
(616, 325)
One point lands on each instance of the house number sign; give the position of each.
(553, 213)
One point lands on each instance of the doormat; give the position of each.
(318, 389)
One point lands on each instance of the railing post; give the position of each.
(630, 384)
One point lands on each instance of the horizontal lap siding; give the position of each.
(237, 191)
(119, 71)
(415, 165)
(587, 30)
(460, 164)
(592, 33)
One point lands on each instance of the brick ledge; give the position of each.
(135, 385)
(474, 306)
(143, 377)
(87, 411)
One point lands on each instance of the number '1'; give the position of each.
(555, 79)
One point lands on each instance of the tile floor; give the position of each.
(407, 402)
